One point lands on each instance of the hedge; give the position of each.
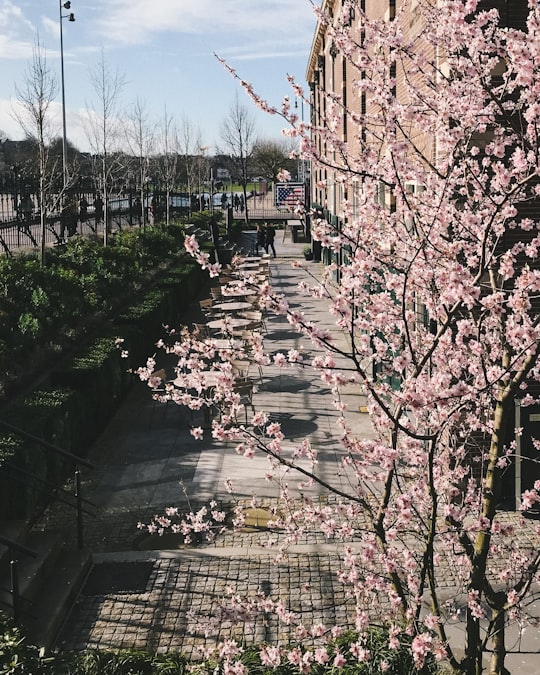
(81, 394)
(29, 473)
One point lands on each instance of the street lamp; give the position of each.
(69, 17)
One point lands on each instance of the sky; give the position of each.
(163, 50)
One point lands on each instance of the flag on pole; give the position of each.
(290, 194)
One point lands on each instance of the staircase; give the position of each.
(40, 576)
(48, 577)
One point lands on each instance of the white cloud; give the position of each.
(8, 123)
(13, 49)
(136, 21)
(51, 27)
(11, 16)
(14, 28)
(77, 132)
(157, 44)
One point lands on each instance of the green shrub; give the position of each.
(16, 654)
(18, 657)
(12, 463)
(39, 305)
(29, 471)
(98, 375)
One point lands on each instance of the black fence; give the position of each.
(81, 213)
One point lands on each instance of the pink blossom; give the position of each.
(339, 661)
(424, 170)
(528, 499)
(317, 630)
(270, 656)
(197, 433)
(280, 360)
(294, 656)
(321, 656)
(512, 597)
(421, 646)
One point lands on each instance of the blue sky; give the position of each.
(163, 49)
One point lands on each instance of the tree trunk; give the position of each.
(496, 666)
(478, 582)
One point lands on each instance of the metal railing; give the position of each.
(59, 492)
(81, 505)
(23, 230)
(14, 592)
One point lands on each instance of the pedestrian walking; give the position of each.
(269, 239)
(25, 213)
(68, 218)
(138, 210)
(98, 208)
(25, 210)
(83, 209)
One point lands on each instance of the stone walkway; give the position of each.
(150, 593)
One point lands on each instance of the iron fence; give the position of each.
(82, 214)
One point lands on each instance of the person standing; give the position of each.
(68, 218)
(25, 212)
(269, 239)
(26, 209)
(261, 238)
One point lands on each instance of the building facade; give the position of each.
(335, 79)
(364, 99)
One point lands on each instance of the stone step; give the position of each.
(31, 570)
(49, 579)
(57, 597)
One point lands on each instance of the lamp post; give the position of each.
(69, 17)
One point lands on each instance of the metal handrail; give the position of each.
(65, 453)
(21, 548)
(16, 596)
(52, 487)
(46, 444)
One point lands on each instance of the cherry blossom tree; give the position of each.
(434, 288)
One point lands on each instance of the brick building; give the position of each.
(348, 134)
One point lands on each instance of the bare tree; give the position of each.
(103, 130)
(35, 98)
(190, 144)
(167, 160)
(238, 135)
(271, 156)
(140, 142)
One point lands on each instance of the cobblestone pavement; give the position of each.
(172, 611)
(157, 594)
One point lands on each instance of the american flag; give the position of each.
(290, 194)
